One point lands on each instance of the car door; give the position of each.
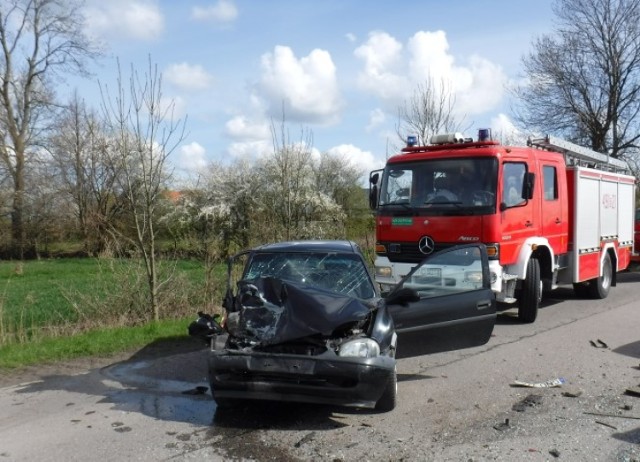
(451, 304)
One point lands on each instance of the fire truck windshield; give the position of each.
(441, 185)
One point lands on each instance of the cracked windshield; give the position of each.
(344, 274)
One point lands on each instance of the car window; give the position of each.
(342, 273)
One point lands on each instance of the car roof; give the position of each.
(343, 246)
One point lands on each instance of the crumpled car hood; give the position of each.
(271, 311)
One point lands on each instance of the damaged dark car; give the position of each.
(305, 322)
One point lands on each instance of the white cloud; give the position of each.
(383, 73)
(188, 77)
(506, 132)
(351, 37)
(364, 160)
(250, 150)
(307, 87)
(222, 11)
(242, 128)
(392, 76)
(377, 117)
(138, 19)
(192, 157)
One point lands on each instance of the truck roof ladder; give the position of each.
(578, 155)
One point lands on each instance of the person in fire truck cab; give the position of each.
(512, 187)
(442, 190)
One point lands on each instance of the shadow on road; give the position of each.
(630, 349)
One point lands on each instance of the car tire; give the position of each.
(599, 287)
(389, 398)
(530, 293)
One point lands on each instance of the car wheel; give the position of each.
(599, 287)
(389, 398)
(530, 293)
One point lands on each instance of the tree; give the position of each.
(288, 201)
(86, 165)
(429, 111)
(339, 179)
(145, 133)
(40, 40)
(583, 80)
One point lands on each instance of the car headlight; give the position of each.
(360, 348)
(383, 271)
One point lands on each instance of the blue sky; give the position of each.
(340, 67)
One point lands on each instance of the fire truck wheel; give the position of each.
(530, 293)
(599, 287)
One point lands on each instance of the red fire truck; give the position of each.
(550, 213)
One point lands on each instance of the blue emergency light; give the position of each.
(484, 134)
(412, 140)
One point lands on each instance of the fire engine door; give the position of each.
(519, 216)
(553, 214)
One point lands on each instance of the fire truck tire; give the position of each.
(599, 287)
(530, 293)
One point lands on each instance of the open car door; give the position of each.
(445, 303)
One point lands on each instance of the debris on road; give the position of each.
(528, 401)
(548, 384)
(606, 424)
(613, 415)
(634, 391)
(305, 439)
(572, 393)
(554, 452)
(502, 426)
(196, 391)
(599, 344)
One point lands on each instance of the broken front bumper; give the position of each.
(321, 379)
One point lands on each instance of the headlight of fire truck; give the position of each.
(383, 271)
(473, 277)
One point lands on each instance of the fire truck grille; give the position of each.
(408, 252)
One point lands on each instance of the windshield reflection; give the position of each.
(468, 183)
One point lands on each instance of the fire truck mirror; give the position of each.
(373, 197)
(529, 182)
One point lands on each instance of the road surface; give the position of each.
(456, 406)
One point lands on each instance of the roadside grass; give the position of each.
(100, 342)
(52, 310)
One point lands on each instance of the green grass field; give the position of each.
(64, 308)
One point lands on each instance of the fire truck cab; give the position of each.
(549, 213)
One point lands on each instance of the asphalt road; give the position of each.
(457, 406)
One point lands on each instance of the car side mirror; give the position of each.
(402, 296)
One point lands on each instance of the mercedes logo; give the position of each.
(426, 245)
